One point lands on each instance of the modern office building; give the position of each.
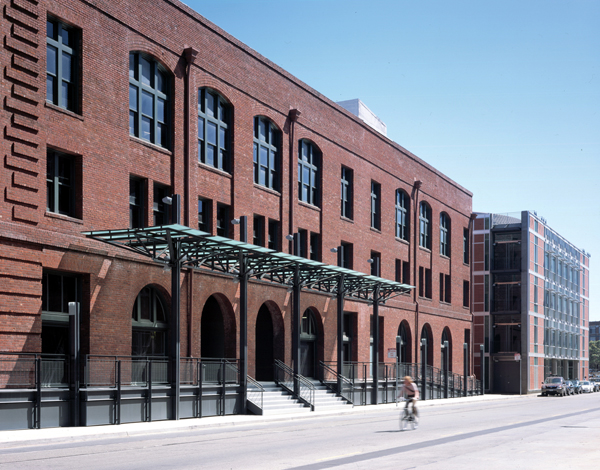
(530, 304)
(111, 111)
(595, 331)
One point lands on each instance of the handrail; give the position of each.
(339, 379)
(255, 392)
(286, 378)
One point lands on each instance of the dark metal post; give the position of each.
(175, 309)
(424, 368)
(446, 368)
(38, 393)
(398, 360)
(74, 329)
(340, 331)
(482, 367)
(243, 317)
(375, 399)
(118, 397)
(296, 319)
(465, 357)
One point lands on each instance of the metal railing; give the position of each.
(30, 370)
(337, 383)
(285, 377)
(113, 371)
(255, 392)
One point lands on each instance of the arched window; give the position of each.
(267, 141)
(424, 225)
(402, 214)
(149, 324)
(309, 162)
(444, 234)
(213, 129)
(446, 353)
(148, 99)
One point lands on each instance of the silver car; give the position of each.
(586, 386)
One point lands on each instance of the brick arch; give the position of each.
(320, 342)
(168, 61)
(447, 336)
(426, 332)
(407, 347)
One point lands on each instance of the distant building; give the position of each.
(531, 298)
(361, 111)
(595, 331)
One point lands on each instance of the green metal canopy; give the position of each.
(214, 253)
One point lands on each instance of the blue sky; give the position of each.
(501, 96)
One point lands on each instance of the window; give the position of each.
(149, 327)
(303, 243)
(424, 225)
(309, 162)
(375, 263)
(266, 153)
(223, 220)
(402, 215)
(444, 234)
(213, 129)
(274, 235)
(347, 192)
(466, 245)
(159, 208)
(445, 287)
(61, 184)
(346, 255)
(465, 293)
(258, 230)
(58, 289)
(137, 196)
(61, 65)
(148, 100)
(424, 282)
(205, 215)
(402, 271)
(315, 246)
(375, 205)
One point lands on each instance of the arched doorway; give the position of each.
(308, 344)
(212, 331)
(426, 334)
(447, 353)
(405, 351)
(264, 345)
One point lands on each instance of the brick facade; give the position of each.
(34, 240)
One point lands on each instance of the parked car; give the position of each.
(554, 385)
(570, 388)
(576, 386)
(586, 386)
(596, 384)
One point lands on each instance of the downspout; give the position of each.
(189, 54)
(472, 296)
(293, 116)
(416, 187)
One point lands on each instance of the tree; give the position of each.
(594, 355)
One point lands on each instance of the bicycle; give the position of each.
(407, 417)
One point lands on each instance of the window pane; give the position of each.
(66, 37)
(161, 134)
(305, 174)
(255, 153)
(264, 157)
(210, 104)
(160, 110)
(133, 98)
(147, 104)
(146, 128)
(64, 170)
(262, 177)
(262, 130)
(146, 71)
(211, 133)
(222, 137)
(222, 111)
(50, 29)
(132, 126)
(50, 96)
(161, 82)
(65, 99)
(51, 58)
(132, 67)
(201, 128)
(210, 155)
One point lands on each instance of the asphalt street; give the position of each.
(527, 432)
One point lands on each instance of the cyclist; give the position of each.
(411, 392)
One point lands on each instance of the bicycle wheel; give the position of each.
(404, 420)
(415, 422)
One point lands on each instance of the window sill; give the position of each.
(72, 114)
(150, 145)
(427, 250)
(425, 298)
(309, 206)
(66, 218)
(346, 219)
(444, 257)
(402, 240)
(212, 169)
(274, 192)
(376, 230)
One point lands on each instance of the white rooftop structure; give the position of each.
(360, 110)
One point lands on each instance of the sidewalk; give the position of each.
(67, 434)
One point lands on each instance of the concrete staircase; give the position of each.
(277, 401)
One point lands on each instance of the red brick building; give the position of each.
(108, 108)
